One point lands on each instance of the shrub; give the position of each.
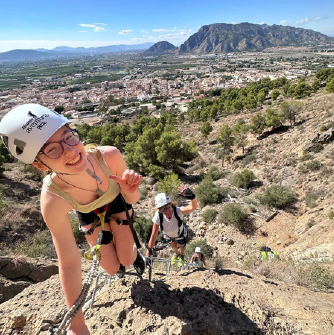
(317, 147)
(3, 203)
(243, 179)
(310, 166)
(312, 197)
(317, 277)
(143, 192)
(38, 245)
(248, 159)
(234, 214)
(214, 173)
(326, 171)
(209, 215)
(306, 157)
(32, 172)
(276, 196)
(310, 223)
(207, 192)
(331, 215)
(312, 275)
(219, 263)
(313, 165)
(143, 227)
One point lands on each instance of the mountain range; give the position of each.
(64, 51)
(222, 37)
(213, 38)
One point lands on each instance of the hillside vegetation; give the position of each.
(263, 174)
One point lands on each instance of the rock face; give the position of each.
(222, 37)
(17, 274)
(185, 302)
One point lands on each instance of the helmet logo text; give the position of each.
(35, 121)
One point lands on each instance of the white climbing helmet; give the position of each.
(162, 199)
(26, 128)
(197, 249)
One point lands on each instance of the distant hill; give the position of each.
(222, 37)
(64, 51)
(22, 55)
(160, 48)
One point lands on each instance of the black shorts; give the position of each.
(118, 205)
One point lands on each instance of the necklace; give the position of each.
(97, 179)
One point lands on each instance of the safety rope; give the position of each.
(71, 313)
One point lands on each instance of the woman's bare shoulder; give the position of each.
(53, 206)
(114, 159)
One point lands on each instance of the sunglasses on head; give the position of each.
(165, 207)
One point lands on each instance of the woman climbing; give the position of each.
(94, 182)
(169, 218)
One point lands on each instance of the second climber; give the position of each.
(169, 218)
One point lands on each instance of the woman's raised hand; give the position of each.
(129, 182)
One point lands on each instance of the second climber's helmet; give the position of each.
(162, 199)
(26, 128)
(197, 249)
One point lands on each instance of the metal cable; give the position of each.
(71, 313)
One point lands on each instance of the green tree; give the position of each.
(273, 119)
(240, 132)
(226, 141)
(190, 150)
(206, 129)
(261, 97)
(257, 124)
(275, 94)
(59, 109)
(330, 86)
(168, 148)
(316, 85)
(141, 154)
(290, 110)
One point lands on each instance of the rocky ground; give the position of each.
(185, 302)
(235, 300)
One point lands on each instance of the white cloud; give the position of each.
(160, 30)
(87, 25)
(303, 21)
(125, 32)
(96, 27)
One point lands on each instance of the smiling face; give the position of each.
(73, 160)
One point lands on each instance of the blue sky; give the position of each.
(36, 24)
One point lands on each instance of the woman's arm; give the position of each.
(55, 214)
(153, 239)
(128, 180)
(189, 208)
(203, 260)
(192, 259)
(186, 192)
